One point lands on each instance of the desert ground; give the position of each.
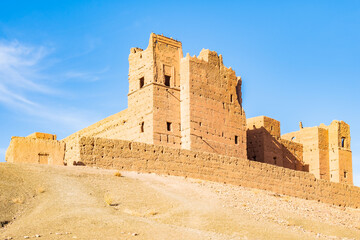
(58, 202)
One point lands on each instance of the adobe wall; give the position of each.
(132, 156)
(117, 126)
(265, 145)
(35, 150)
(213, 119)
(166, 109)
(326, 150)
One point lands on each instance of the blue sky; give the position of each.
(63, 64)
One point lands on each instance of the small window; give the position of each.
(167, 80)
(342, 142)
(272, 128)
(254, 158)
(231, 98)
(168, 126)
(345, 174)
(142, 127)
(142, 82)
(236, 139)
(274, 158)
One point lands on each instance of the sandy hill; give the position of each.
(87, 203)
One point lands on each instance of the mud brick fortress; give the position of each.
(185, 117)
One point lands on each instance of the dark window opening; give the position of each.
(274, 160)
(142, 82)
(168, 126)
(254, 158)
(200, 124)
(231, 98)
(345, 174)
(236, 139)
(167, 80)
(272, 128)
(142, 127)
(343, 142)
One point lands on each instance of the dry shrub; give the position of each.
(117, 174)
(18, 200)
(108, 199)
(40, 190)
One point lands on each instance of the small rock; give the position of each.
(26, 237)
(37, 235)
(135, 234)
(58, 233)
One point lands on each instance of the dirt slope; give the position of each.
(73, 202)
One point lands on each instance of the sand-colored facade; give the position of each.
(42, 148)
(192, 103)
(326, 149)
(192, 107)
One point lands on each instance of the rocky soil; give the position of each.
(52, 202)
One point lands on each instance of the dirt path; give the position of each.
(74, 203)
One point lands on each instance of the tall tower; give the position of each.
(340, 153)
(154, 92)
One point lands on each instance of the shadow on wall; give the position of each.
(238, 91)
(264, 147)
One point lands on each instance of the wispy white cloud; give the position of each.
(22, 80)
(2, 154)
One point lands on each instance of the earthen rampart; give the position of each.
(43, 150)
(141, 157)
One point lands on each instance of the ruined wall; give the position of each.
(271, 125)
(265, 145)
(212, 117)
(309, 137)
(340, 153)
(326, 150)
(117, 126)
(132, 156)
(35, 150)
(293, 155)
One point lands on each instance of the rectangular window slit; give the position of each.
(142, 127)
(142, 82)
(167, 80)
(168, 126)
